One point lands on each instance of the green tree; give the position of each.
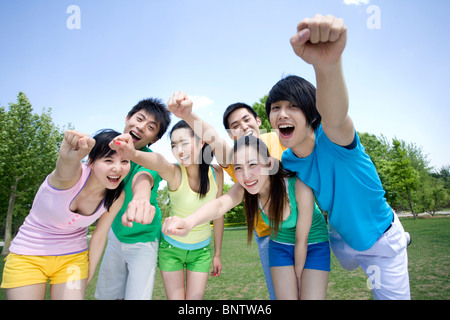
(236, 214)
(260, 109)
(164, 202)
(429, 192)
(441, 188)
(29, 149)
(439, 195)
(444, 174)
(404, 178)
(378, 149)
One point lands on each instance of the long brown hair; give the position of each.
(278, 197)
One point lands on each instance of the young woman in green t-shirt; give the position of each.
(299, 249)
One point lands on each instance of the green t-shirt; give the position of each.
(286, 230)
(139, 232)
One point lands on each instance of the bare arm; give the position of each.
(180, 105)
(140, 204)
(74, 147)
(210, 211)
(320, 41)
(98, 239)
(305, 200)
(218, 225)
(123, 144)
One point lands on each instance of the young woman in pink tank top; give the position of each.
(52, 242)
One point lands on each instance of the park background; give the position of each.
(84, 64)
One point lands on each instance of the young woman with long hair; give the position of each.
(299, 251)
(52, 243)
(192, 182)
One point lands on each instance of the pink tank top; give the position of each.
(51, 229)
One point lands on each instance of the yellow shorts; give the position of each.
(24, 270)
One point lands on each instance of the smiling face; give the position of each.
(290, 124)
(252, 170)
(241, 123)
(109, 171)
(185, 146)
(143, 128)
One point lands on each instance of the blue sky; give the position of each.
(225, 51)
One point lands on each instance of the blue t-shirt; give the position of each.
(346, 184)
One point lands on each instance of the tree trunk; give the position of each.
(411, 204)
(434, 207)
(9, 216)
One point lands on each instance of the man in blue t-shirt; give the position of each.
(326, 154)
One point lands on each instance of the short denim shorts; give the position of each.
(317, 256)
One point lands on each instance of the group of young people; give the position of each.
(312, 161)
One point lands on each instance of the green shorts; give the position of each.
(171, 258)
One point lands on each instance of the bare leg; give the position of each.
(285, 282)
(314, 284)
(195, 285)
(31, 292)
(74, 290)
(174, 284)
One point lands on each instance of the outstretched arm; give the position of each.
(320, 41)
(181, 106)
(124, 146)
(139, 208)
(209, 211)
(218, 225)
(74, 147)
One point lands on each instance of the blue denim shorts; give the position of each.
(317, 256)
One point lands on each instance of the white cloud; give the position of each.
(356, 2)
(200, 102)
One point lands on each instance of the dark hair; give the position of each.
(158, 109)
(231, 108)
(278, 196)
(204, 161)
(299, 92)
(101, 149)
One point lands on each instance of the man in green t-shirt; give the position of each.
(129, 263)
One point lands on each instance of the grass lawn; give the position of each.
(242, 276)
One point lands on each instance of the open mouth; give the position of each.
(248, 133)
(135, 136)
(251, 183)
(184, 158)
(113, 179)
(286, 130)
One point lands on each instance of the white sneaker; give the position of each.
(408, 238)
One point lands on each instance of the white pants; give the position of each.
(385, 263)
(127, 270)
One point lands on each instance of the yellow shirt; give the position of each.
(276, 150)
(184, 202)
